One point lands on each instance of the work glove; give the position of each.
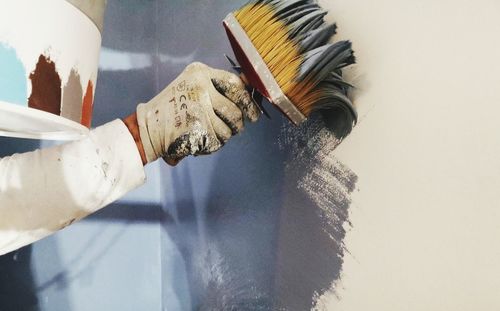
(195, 115)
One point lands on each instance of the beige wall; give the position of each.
(426, 219)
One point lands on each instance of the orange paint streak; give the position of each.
(88, 104)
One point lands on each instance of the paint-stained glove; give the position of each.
(195, 115)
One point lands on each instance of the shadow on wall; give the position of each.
(127, 214)
(17, 287)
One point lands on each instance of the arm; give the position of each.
(133, 128)
(46, 190)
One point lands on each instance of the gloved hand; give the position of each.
(195, 115)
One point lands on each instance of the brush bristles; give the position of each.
(292, 38)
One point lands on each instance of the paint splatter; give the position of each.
(72, 98)
(315, 219)
(88, 102)
(46, 87)
(12, 77)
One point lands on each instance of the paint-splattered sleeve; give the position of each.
(46, 190)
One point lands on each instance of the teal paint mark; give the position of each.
(12, 77)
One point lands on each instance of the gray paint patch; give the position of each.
(267, 232)
(314, 218)
(72, 98)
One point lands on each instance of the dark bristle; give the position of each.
(338, 81)
(336, 107)
(306, 23)
(292, 17)
(339, 121)
(320, 62)
(318, 37)
(325, 71)
(286, 8)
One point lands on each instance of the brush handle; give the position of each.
(256, 71)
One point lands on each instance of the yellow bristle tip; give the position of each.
(271, 38)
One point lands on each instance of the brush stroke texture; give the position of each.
(315, 217)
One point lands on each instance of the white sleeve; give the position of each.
(46, 190)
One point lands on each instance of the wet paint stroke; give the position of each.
(327, 184)
(46, 87)
(87, 107)
(268, 236)
(315, 217)
(72, 98)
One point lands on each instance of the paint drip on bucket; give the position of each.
(51, 67)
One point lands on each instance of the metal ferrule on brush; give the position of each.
(247, 55)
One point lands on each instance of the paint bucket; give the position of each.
(49, 54)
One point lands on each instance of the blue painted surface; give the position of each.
(12, 77)
(229, 231)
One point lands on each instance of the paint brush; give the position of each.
(284, 52)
